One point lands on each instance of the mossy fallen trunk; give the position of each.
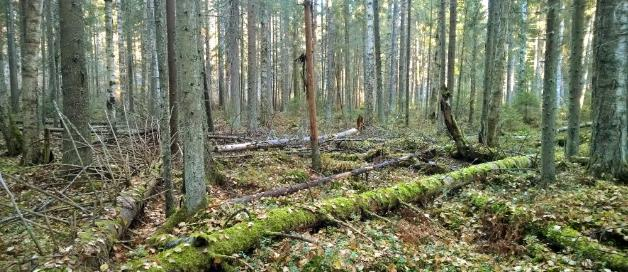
(94, 243)
(203, 249)
(554, 233)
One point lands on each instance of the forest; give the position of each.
(314, 135)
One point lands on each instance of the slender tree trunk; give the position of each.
(575, 78)
(222, 93)
(191, 116)
(111, 74)
(609, 139)
(407, 64)
(172, 75)
(161, 48)
(370, 70)
(393, 69)
(349, 90)
(462, 50)
(266, 66)
(402, 54)
(495, 70)
(548, 130)
(10, 132)
(285, 61)
(207, 71)
(310, 85)
(252, 103)
(128, 31)
(522, 79)
(233, 60)
(51, 34)
(379, 88)
(331, 69)
(474, 57)
(74, 85)
(31, 57)
(12, 52)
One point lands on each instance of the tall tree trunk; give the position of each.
(12, 52)
(474, 57)
(161, 48)
(370, 76)
(74, 85)
(121, 52)
(266, 66)
(609, 139)
(462, 50)
(31, 148)
(10, 132)
(522, 79)
(233, 60)
(378, 63)
(402, 54)
(496, 61)
(331, 68)
(53, 83)
(349, 90)
(111, 74)
(191, 116)
(406, 70)
(548, 130)
(310, 85)
(172, 75)
(207, 71)
(222, 92)
(286, 76)
(252, 103)
(393, 69)
(575, 78)
(128, 29)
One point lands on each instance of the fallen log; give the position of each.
(94, 243)
(203, 250)
(554, 233)
(290, 189)
(583, 125)
(280, 142)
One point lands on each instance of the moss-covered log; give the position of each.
(203, 249)
(554, 233)
(95, 242)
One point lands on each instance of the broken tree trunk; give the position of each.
(281, 142)
(94, 243)
(552, 232)
(583, 125)
(290, 189)
(202, 249)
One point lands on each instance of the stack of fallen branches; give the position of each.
(281, 142)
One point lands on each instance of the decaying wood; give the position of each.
(281, 142)
(94, 243)
(583, 125)
(290, 189)
(205, 249)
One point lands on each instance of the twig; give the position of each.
(68, 201)
(297, 237)
(17, 209)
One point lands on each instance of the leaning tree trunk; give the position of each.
(75, 91)
(31, 145)
(575, 78)
(609, 139)
(191, 116)
(548, 121)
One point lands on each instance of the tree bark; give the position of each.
(233, 61)
(548, 121)
(609, 139)
(172, 75)
(370, 76)
(331, 67)
(379, 91)
(75, 90)
(110, 102)
(252, 103)
(164, 111)
(266, 91)
(393, 69)
(575, 78)
(310, 84)
(128, 29)
(31, 57)
(12, 52)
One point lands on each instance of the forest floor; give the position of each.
(447, 233)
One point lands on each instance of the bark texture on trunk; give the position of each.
(548, 121)
(575, 78)
(370, 77)
(74, 85)
(189, 78)
(609, 139)
(310, 84)
(251, 76)
(233, 61)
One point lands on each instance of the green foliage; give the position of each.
(529, 106)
